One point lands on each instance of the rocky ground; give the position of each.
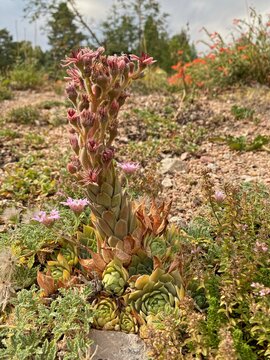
(174, 141)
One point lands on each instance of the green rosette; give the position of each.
(114, 278)
(106, 314)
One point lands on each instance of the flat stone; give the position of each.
(116, 345)
(184, 156)
(172, 165)
(167, 182)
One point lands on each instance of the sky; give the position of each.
(215, 15)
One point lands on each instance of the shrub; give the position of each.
(23, 115)
(25, 76)
(5, 93)
(244, 60)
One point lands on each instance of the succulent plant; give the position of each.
(130, 321)
(106, 314)
(62, 262)
(114, 278)
(154, 222)
(140, 264)
(97, 90)
(156, 245)
(153, 292)
(87, 237)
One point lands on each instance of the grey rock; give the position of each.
(184, 156)
(178, 221)
(116, 345)
(167, 182)
(172, 165)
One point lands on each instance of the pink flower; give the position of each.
(262, 290)
(85, 55)
(90, 176)
(219, 196)
(145, 59)
(76, 205)
(47, 219)
(129, 167)
(260, 247)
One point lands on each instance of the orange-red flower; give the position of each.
(199, 61)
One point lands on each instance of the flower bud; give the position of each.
(74, 143)
(71, 92)
(72, 116)
(114, 108)
(92, 145)
(113, 66)
(107, 154)
(87, 118)
(121, 64)
(103, 115)
(102, 81)
(84, 103)
(96, 90)
(122, 98)
(131, 67)
(71, 168)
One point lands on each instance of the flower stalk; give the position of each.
(97, 89)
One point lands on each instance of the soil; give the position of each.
(182, 184)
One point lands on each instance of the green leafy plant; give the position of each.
(23, 115)
(60, 329)
(23, 180)
(241, 113)
(242, 144)
(49, 104)
(25, 76)
(5, 93)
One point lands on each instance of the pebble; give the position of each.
(167, 182)
(172, 165)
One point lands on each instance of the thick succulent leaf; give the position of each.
(142, 281)
(156, 274)
(124, 213)
(46, 283)
(100, 231)
(104, 200)
(92, 197)
(120, 229)
(121, 255)
(110, 176)
(105, 227)
(116, 200)
(94, 188)
(107, 254)
(116, 211)
(113, 241)
(117, 187)
(109, 217)
(107, 188)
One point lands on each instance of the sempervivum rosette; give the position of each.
(106, 314)
(130, 320)
(153, 292)
(114, 278)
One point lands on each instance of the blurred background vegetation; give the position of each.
(132, 26)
